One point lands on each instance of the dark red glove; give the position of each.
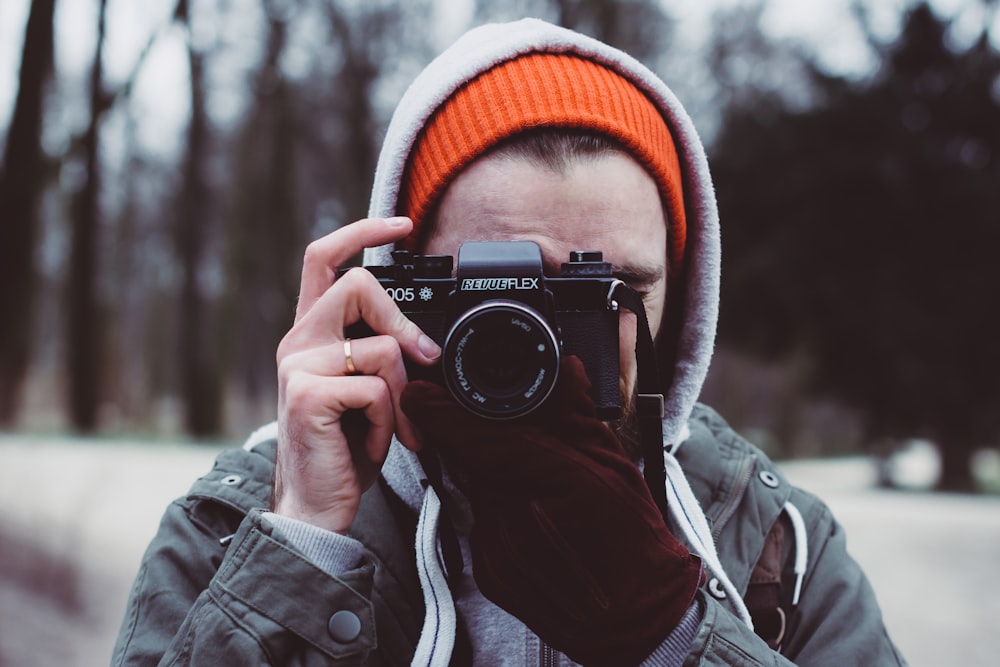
(567, 537)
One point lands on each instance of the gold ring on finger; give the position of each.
(349, 359)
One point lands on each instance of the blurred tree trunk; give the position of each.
(956, 445)
(265, 235)
(20, 190)
(134, 291)
(356, 79)
(201, 383)
(956, 468)
(83, 336)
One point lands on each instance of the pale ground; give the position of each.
(934, 560)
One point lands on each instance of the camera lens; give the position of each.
(500, 359)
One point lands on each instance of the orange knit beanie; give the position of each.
(541, 90)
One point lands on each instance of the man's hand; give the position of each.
(335, 425)
(567, 537)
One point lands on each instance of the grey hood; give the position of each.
(475, 52)
(488, 45)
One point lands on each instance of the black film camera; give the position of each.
(503, 325)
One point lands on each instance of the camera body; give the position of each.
(503, 326)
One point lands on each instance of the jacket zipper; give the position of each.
(742, 481)
(548, 656)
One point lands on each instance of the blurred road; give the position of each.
(91, 506)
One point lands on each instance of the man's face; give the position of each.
(607, 203)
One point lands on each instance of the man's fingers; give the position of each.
(357, 297)
(321, 472)
(321, 402)
(380, 356)
(324, 256)
(377, 356)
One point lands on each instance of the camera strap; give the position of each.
(649, 398)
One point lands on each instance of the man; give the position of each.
(426, 534)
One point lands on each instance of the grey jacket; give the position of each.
(221, 586)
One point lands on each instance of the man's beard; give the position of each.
(626, 427)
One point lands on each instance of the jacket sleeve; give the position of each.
(837, 621)
(219, 586)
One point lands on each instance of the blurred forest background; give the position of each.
(165, 163)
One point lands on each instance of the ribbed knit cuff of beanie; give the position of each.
(541, 90)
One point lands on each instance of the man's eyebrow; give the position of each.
(635, 274)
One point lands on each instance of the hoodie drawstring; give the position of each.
(689, 516)
(801, 548)
(437, 637)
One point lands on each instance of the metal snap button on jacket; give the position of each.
(769, 479)
(344, 626)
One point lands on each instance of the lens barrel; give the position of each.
(500, 359)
